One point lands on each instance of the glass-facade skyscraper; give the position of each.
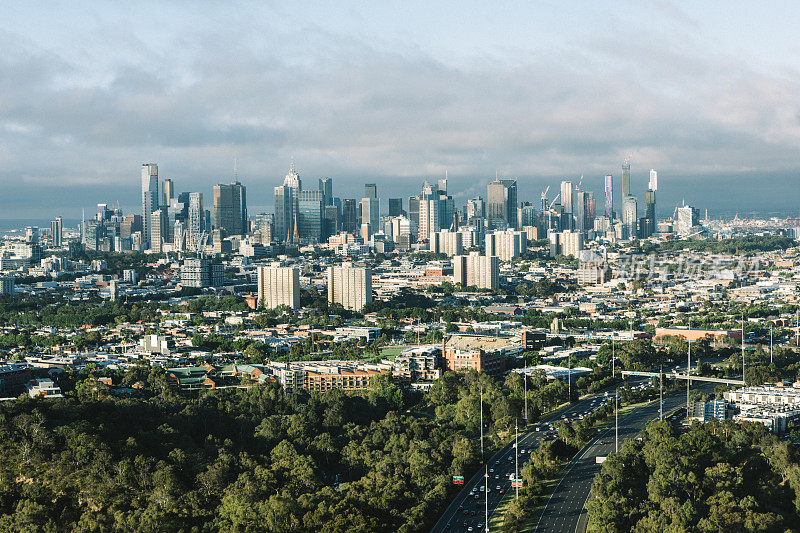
(150, 194)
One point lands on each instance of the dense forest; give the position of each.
(248, 459)
(714, 477)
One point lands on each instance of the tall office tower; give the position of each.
(630, 215)
(149, 199)
(507, 244)
(430, 206)
(609, 196)
(326, 186)
(475, 270)
(284, 213)
(401, 232)
(395, 207)
(579, 211)
(57, 232)
(230, 208)
(371, 212)
(158, 230)
(653, 183)
(167, 191)
(310, 209)
(331, 221)
(370, 190)
(527, 215)
(350, 286)
(102, 210)
(413, 213)
(650, 212)
(278, 285)
(501, 197)
(567, 201)
(349, 217)
(446, 242)
(626, 177)
(476, 208)
(588, 209)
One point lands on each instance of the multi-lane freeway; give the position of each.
(481, 496)
(564, 511)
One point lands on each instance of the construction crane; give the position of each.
(554, 201)
(675, 213)
(544, 194)
(580, 181)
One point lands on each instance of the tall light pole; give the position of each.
(688, 369)
(743, 380)
(481, 422)
(770, 344)
(613, 355)
(616, 421)
(525, 379)
(516, 460)
(569, 378)
(486, 497)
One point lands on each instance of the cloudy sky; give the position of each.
(397, 92)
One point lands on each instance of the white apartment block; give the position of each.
(475, 270)
(507, 244)
(446, 242)
(279, 285)
(350, 286)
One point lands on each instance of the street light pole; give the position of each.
(481, 422)
(616, 421)
(770, 344)
(525, 378)
(688, 369)
(743, 380)
(486, 498)
(516, 460)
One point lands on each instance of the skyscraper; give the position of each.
(395, 207)
(609, 196)
(501, 197)
(326, 186)
(653, 184)
(230, 208)
(56, 232)
(349, 217)
(149, 199)
(197, 218)
(630, 215)
(650, 212)
(371, 207)
(167, 192)
(310, 210)
(626, 177)
(287, 197)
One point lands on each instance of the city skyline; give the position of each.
(642, 81)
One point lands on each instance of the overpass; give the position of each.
(675, 375)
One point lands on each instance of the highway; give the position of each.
(564, 511)
(467, 510)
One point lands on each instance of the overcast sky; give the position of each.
(395, 92)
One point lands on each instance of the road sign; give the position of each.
(458, 480)
(516, 484)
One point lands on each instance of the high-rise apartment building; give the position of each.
(506, 245)
(201, 272)
(150, 194)
(475, 270)
(196, 225)
(158, 230)
(653, 183)
(278, 286)
(501, 199)
(57, 232)
(688, 220)
(476, 209)
(609, 196)
(567, 201)
(630, 215)
(350, 286)
(230, 208)
(446, 242)
(626, 178)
